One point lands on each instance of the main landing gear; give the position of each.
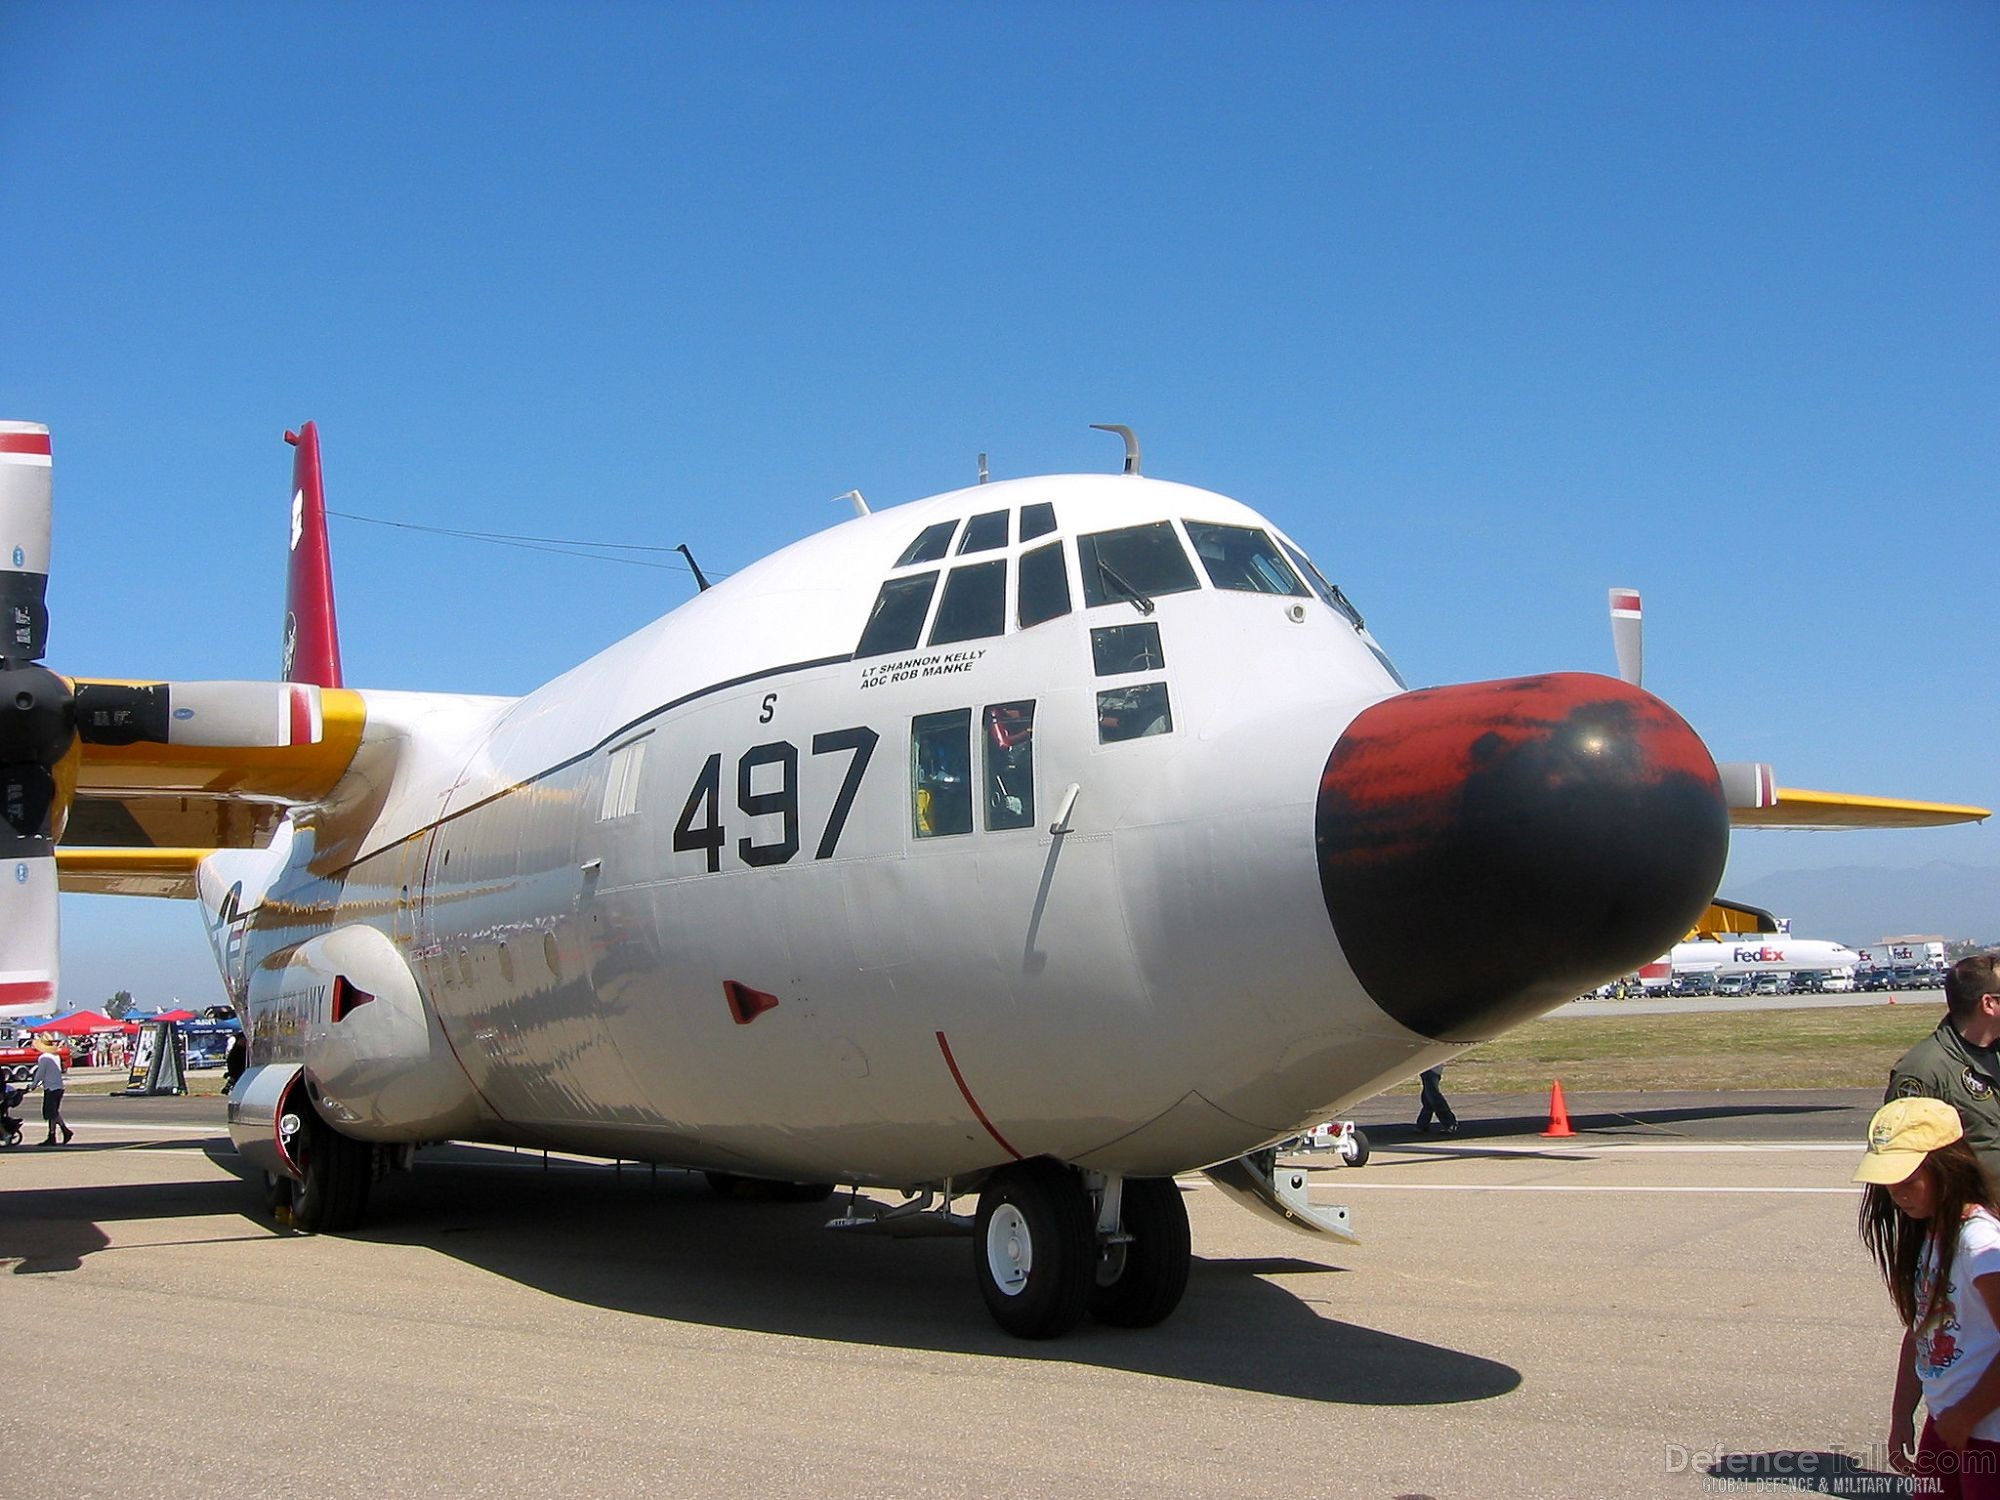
(1048, 1247)
(332, 1195)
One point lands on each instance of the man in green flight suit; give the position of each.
(1957, 1063)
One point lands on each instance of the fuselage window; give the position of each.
(621, 780)
(1334, 599)
(941, 773)
(1126, 648)
(1044, 585)
(984, 533)
(1010, 765)
(1242, 559)
(1132, 713)
(975, 603)
(1038, 519)
(931, 544)
(897, 619)
(1133, 564)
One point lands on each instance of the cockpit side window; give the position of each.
(931, 544)
(984, 533)
(1334, 598)
(1135, 560)
(975, 603)
(1010, 765)
(897, 619)
(941, 773)
(1243, 559)
(1044, 583)
(1038, 519)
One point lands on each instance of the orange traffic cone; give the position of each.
(1558, 1112)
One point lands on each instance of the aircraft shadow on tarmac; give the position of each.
(663, 1246)
(1615, 1123)
(52, 1229)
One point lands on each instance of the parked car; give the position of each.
(1733, 984)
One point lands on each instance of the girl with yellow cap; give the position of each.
(1929, 1218)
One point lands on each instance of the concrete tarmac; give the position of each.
(1628, 1312)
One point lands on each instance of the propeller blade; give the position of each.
(1628, 634)
(247, 715)
(24, 541)
(27, 892)
(1748, 783)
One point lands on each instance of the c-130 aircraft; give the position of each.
(1039, 841)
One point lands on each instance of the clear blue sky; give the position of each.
(1492, 306)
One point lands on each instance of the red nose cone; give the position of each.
(1490, 850)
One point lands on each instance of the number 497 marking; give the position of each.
(700, 825)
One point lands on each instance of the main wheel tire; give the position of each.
(1034, 1249)
(1139, 1283)
(1358, 1156)
(332, 1197)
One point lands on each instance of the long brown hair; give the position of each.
(1897, 1241)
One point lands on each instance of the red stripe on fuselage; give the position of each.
(25, 442)
(978, 1113)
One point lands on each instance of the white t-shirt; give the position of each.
(48, 1072)
(1958, 1347)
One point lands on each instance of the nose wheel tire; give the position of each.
(1034, 1249)
(1139, 1283)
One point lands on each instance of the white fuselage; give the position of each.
(1154, 988)
(1761, 955)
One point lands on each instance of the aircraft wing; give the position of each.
(1795, 807)
(1757, 801)
(129, 872)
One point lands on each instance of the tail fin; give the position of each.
(312, 636)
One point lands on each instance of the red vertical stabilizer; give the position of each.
(312, 637)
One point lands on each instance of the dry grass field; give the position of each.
(1840, 1047)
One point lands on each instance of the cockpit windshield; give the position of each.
(1133, 564)
(1243, 559)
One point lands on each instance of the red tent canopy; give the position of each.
(80, 1023)
(172, 1015)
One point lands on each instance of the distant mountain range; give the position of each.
(1862, 904)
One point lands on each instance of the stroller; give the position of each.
(10, 1128)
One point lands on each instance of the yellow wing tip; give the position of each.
(1801, 807)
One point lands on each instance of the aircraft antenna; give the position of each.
(694, 566)
(982, 468)
(860, 505)
(1131, 443)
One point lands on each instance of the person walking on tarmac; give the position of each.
(1434, 1102)
(49, 1079)
(1957, 1063)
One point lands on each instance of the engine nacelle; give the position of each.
(380, 1069)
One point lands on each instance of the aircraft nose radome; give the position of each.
(1489, 850)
